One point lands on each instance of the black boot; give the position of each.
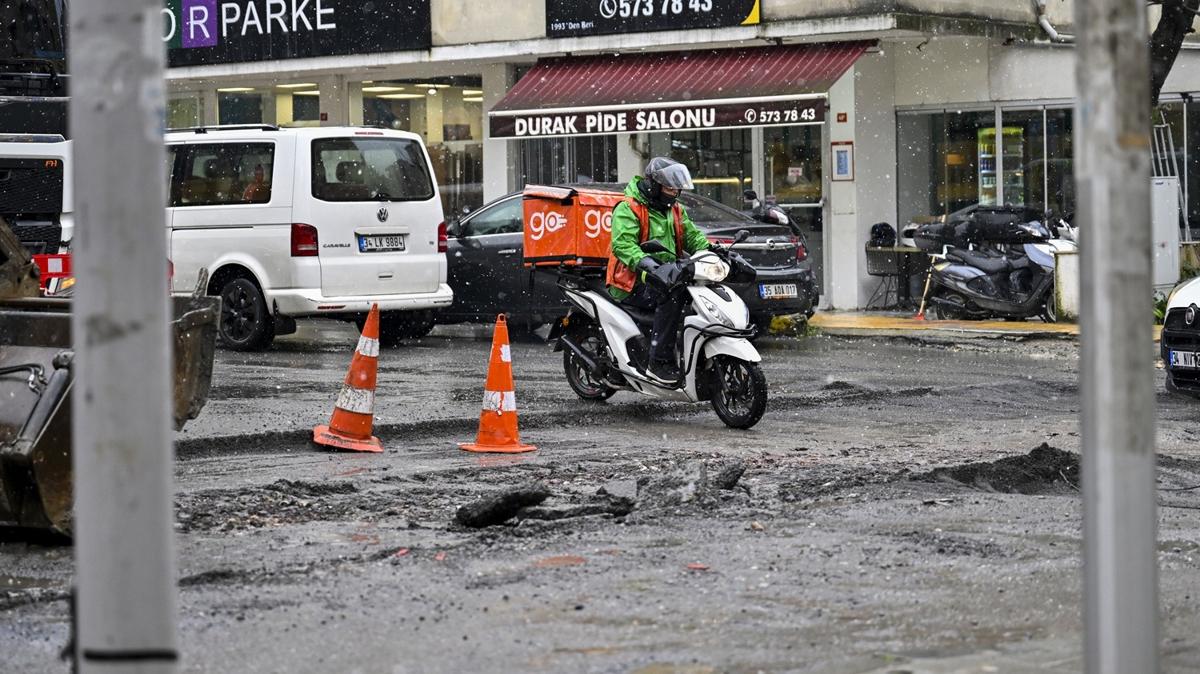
(664, 371)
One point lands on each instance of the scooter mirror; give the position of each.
(741, 236)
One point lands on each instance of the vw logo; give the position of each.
(1189, 316)
(382, 215)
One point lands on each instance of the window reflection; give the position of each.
(448, 114)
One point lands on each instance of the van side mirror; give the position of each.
(657, 247)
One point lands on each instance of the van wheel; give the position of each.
(397, 326)
(246, 323)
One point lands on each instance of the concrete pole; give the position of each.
(1112, 167)
(499, 155)
(124, 552)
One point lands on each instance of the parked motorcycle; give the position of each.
(994, 266)
(605, 344)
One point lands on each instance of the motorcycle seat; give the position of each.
(988, 264)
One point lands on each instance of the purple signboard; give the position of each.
(199, 23)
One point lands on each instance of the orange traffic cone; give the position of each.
(353, 413)
(498, 420)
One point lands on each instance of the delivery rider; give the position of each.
(648, 282)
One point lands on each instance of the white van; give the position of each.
(307, 222)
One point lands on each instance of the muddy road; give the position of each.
(904, 506)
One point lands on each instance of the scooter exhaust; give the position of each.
(595, 368)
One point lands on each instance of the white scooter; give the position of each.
(605, 344)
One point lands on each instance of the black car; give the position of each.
(488, 278)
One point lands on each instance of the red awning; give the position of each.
(557, 94)
(588, 82)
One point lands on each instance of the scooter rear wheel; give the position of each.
(581, 381)
(739, 391)
(945, 312)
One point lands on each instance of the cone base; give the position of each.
(322, 435)
(516, 448)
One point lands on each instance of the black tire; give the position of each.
(1049, 313)
(397, 326)
(246, 322)
(739, 391)
(1169, 384)
(582, 382)
(946, 313)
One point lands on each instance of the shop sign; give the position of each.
(204, 32)
(682, 117)
(568, 18)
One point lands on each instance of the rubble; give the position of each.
(499, 508)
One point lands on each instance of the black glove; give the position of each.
(648, 264)
(668, 275)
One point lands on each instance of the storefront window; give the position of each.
(720, 161)
(448, 114)
(586, 159)
(241, 105)
(1020, 168)
(1192, 165)
(793, 170)
(185, 111)
(1060, 162)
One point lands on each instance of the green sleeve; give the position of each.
(625, 233)
(693, 238)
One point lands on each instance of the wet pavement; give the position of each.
(908, 504)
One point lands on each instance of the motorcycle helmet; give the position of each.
(664, 172)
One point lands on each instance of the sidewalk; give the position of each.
(886, 323)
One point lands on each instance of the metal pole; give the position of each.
(124, 550)
(1112, 158)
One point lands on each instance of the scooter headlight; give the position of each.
(711, 268)
(715, 311)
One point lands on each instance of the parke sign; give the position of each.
(204, 32)
(678, 117)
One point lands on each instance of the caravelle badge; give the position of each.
(382, 215)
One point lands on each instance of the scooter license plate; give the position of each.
(776, 291)
(1183, 359)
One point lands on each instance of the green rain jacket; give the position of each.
(626, 228)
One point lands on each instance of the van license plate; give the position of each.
(374, 244)
(776, 291)
(1183, 359)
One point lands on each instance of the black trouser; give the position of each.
(667, 310)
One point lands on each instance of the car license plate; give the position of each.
(775, 291)
(374, 244)
(1183, 359)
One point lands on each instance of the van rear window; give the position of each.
(369, 169)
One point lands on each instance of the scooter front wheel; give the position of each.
(739, 391)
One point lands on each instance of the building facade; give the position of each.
(915, 108)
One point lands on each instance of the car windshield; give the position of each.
(704, 210)
(369, 169)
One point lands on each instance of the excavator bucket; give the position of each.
(36, 379)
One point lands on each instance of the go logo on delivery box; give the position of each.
(541, 224)
(595, 222)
